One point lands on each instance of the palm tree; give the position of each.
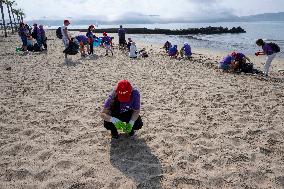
(11, 8)
(22, 15)
(8, 7)
(3, 17)
(16, 11)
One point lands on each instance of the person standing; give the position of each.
(91, 37)
(107, 43)
(121, 35)
(121, 110)
(35, 33)
(23, 33)
(65, 36)
(269, 51)
(42, 37)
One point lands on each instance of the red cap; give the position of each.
(233, 54)
(123, 91)
(104, 34)
(66, 21)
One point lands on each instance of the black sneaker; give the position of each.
(131, 133)
(115, 136)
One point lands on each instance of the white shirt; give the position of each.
(132, 51)
(62, 31)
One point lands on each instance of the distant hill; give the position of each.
(146, 19)
(263, 17)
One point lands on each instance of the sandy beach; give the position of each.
(202, 128)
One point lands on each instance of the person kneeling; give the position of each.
(227, 64)
(121, 110)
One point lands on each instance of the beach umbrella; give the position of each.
(3, 17)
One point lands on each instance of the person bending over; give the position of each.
(270, 50)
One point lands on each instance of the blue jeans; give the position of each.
(24, 40)
(224, 66)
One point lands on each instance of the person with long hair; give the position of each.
(91, 37)
(269, 51)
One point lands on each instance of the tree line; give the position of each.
(15, 16)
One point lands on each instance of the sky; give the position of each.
(157, 10)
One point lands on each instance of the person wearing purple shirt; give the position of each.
(121, 110)
(227, 63)
(269, 52)
(83, 41)
(121, 35)
(42, 37)
(240, 59)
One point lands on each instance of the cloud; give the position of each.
(131, 10)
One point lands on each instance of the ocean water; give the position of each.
(244, 42)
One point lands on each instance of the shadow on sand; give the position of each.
(134, 159)
(71, 63)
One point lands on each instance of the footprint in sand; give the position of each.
(63, 164)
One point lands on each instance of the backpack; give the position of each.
(34, 34)
(247, 68)
(59, 33)
(36, 47)
(274, 47)
(72, 49)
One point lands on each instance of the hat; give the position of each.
(34, 24)
(104, 34)
(91, 26)
(233, 54)
(66, 21)
(123, 91)
(185, 43)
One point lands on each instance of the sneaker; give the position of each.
(131, 133)
(115, 136)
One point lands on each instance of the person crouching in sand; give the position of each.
(173, 52)
(133, 50)
(228, 63)
(121, 110)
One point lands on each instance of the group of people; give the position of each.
(173, 52)
(28, 36)
(235, 61)
(122, 107)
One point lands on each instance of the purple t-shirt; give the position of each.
(82, 38)
(187, 50)
(121, 33)
(267, 49)
(106, 40)
(133, 104)
(240, 57)
(227, 60)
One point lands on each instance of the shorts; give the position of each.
(24, 40)
(224, 66)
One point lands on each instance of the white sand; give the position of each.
(202, 128)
